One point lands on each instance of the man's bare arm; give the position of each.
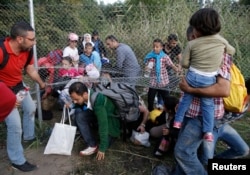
(220, 89)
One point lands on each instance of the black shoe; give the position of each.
(24, 167)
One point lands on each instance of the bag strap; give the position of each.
(5, 54)
(65, 112)
(29, 57)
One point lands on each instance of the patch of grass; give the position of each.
(121, 158)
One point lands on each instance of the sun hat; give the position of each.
(73, 37)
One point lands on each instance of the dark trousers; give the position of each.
(151, 96)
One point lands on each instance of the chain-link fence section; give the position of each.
(136, 26)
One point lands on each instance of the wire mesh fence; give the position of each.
(135, 25)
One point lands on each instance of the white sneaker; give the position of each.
(88, 151)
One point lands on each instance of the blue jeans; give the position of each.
(84, 120)
(207, 104)
(188, 142)
(237, 146)
(14, 130)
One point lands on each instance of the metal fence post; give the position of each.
(31, 10)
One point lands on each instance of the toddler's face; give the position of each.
(66, 64)
(157, 47)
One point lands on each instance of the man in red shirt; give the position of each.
(18, 46)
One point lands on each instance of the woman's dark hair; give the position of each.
(78, 87)
(206, 21)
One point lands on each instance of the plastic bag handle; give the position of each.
(64, 115)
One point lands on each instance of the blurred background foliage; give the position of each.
(135, 22)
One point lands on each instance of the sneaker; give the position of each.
(177, 125)
(88, 151)
(26, 167)
(208, 137)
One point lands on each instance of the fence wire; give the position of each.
(135, 25)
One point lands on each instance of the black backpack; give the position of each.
(6, 55)
(124, 97)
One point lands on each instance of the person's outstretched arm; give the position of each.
(220, 89)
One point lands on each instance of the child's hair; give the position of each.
(172, 37)
(157, 40)
(67, 58)
(206, 21)
(88, 45)
(170, 103)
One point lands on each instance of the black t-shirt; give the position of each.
(173, 52)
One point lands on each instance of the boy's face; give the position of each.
(157, 47)
(79, 99)
(172, 43)
(88, 50)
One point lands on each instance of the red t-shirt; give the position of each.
(7, 102)
(11, 74)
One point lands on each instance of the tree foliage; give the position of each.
(245, 2)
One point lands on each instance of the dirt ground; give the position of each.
(122, 158)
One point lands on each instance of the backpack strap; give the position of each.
(93, 98)
(29, 58)
(5, 54)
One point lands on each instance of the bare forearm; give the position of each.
(35, 76)
(219, 89)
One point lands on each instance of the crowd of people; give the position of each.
(183, 125)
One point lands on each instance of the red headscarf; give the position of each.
(7, 101)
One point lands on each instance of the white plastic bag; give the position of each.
(62, 137)
(140, 138)
(92, 71)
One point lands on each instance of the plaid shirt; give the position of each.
(195, 110)
(165, 62)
